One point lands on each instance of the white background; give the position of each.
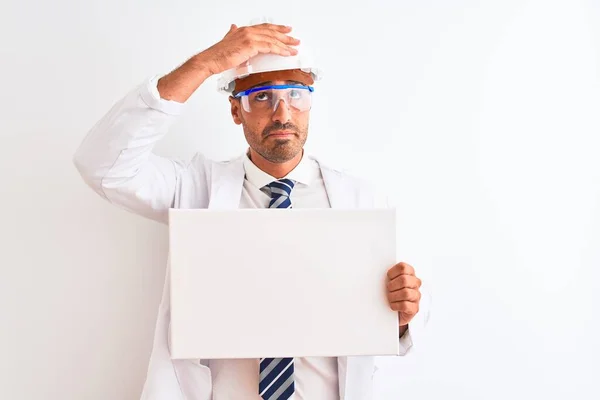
(482, 117)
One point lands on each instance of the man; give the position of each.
(270, 87)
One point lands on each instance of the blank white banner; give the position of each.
(276, 283)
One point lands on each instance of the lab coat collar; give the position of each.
(355, 373)
(305, 172)
(228, 181)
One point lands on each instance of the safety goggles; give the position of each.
(266, 99)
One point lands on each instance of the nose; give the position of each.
(282, 112)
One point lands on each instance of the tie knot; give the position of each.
(281, 187)
(280, 193)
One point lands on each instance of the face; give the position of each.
(276, 135)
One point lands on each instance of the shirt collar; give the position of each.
(305, 172)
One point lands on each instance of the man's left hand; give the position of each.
(403, 292)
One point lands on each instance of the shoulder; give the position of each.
(201, 162)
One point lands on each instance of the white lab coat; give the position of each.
(116, 160)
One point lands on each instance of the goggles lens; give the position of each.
(266, 99)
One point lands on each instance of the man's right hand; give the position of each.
(236, 47)
(241, 44)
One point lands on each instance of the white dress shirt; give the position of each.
(314, 377)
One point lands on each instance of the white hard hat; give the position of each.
(303, 60)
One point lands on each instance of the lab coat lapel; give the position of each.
(355, 373)
(227, 181)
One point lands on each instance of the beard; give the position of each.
(273, 149)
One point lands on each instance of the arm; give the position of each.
(414, 333)
(116, 157)
(409, 291)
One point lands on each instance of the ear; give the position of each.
(236, 110)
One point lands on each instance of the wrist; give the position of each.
(203, 65)
(181, 83)
(403, 330)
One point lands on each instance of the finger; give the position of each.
(406, 307)
(282, 37)
(404, 319)
(401, 268)
(402, 282)
(276, 27)
(286, 39)
(267, 28)
(250, 37)
(272, 48)
(275, 40)
(280, 47)
(412, 295)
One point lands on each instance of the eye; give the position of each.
(261, 96)
(295, 94)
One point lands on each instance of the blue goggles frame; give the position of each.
(258, 89)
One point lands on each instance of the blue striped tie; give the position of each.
(277, 374)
